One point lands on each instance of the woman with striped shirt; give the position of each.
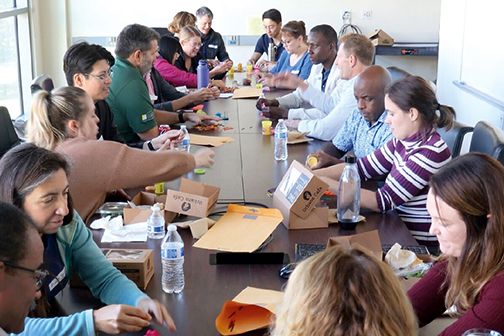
(414, 154)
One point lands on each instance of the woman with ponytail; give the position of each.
(414, 154)
(64, 121)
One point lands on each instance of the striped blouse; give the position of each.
(409, 163)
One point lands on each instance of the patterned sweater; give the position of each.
(409, 164)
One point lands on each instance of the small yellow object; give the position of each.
(259, 86)
(159, 188)
(312, 161)
(200, 111)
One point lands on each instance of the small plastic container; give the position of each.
(112, 209)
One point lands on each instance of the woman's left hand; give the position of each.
(167, 140)
(154, 307)
(198, 118)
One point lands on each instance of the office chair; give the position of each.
(42, 82)
(488, 139)
(162, 31)
(8, 136)
(455, 137)
(398, 73)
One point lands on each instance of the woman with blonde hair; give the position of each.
(180, 20)
(64, 121)
(465, 201)
(344, 291)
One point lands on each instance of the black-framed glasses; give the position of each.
(104, 77)
(40, 273)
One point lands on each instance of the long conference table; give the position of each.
(244, 170)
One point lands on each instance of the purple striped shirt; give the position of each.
(409, 163)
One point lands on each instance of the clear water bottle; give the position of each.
(349, 195)
(156, 224)
(281, 135)
(172, 256)
(203, 74)
(185, 145)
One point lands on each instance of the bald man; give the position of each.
(364, 129)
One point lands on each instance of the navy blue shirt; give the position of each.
(263, 44)
(54, 264)
(325, 75)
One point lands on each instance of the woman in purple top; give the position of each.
(414, 154)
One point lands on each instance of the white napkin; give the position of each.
(398, 258)
(115, 231)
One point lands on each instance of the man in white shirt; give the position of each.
(322, 45)
(21, 256)
(354, 55)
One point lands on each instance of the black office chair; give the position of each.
(163, 31)
(455, 137)
(398, 73)
(42, 82)
(488, 139)
(8, 136)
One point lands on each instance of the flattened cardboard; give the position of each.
(141, 215)
(241, 229)
(246, 93)
(380, 38)
(369, 240)
(252, 309)
(207, 140)
(296, 196)
(193, 198)
(333, 217)
(296, 137)
(136, 264)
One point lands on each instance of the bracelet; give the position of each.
(149, 145)
(181, 117)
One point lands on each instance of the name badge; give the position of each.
(213, 46)
(153, 97)
(58, 279)
(295, 72)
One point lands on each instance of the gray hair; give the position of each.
(202, 11)
(134, 37)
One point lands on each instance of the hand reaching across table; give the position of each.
(323, 160)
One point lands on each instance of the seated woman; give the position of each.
(410, 159)
(187, 60)
(180, 20)
(36, 180)
(272, 23)
(64, 121)
(344, 291)
(169, 52)
(295, 57)
(465, 201)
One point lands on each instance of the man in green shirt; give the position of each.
(134, 114)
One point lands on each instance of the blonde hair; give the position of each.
(50, 112)
(180, 20)
(187, 32)
(344, 291)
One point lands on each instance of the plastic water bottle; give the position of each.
(155, 224)
(185, 145)
(172, 256)
(203, 74)
(349, 195)
(281, 135)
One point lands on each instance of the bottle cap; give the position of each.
(202, 62)
(155, 208)
(350, 159)
(183, 126)
(172, 227)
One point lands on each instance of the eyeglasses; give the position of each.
(287, 42)
(40, 273)
(194, 44)
(109, 74)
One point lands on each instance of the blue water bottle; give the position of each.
(203, 74)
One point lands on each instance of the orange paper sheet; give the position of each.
(208, 140)
(247, 93)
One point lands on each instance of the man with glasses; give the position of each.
(129, 97)
(21, 256)
(272, 22)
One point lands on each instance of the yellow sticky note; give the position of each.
(255, 26)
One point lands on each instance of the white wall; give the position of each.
(456, 47)
(406, 21)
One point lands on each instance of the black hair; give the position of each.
(273, 14)
(135, 37)
(81, 57)
(327, 32)
(168, 46)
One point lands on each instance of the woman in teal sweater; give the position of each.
(36, 180)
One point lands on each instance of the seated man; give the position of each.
(129, 96)
(212, 44)
(322, 44)
(272, 22)
(21, 256)
(364, 130)
(354, 55)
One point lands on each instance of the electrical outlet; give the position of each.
(366, 14)
(346, 14)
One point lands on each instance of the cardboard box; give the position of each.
(193, 198)
(369, 240)
(141, 215)
(380, 38)
(296, 197)
(136, 264)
